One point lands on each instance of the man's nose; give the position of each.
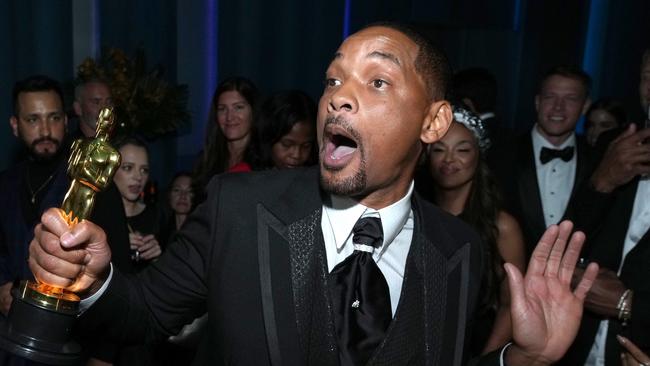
(343, 99)
(45, 128)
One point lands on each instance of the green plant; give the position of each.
(145, 103)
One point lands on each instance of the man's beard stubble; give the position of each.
(44, 156)
(352, 186)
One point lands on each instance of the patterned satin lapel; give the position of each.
(312, 304)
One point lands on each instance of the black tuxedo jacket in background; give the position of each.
(513, 164)
(607, 219)
(253, 256)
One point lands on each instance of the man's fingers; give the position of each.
(571, 256)
(516, 284)
(47, 245)
(47, 277)
(587, 281)
(642, 135)
(54, 222)
(54, 263)
(629, 131)
(557, 251)
(84, 232)
(538, 259)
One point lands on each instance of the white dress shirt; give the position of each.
(555, 179)
(639, 225)
(397, 223)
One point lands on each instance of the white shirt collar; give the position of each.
(540, 141)
(344, 213)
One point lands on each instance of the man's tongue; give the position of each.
(342, 151)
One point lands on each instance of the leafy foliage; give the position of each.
(145, 103)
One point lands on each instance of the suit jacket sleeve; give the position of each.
(166, 295)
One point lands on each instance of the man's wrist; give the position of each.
(601, 185)
(515, 356)
(96, 285)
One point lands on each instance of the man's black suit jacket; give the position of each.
(513, 164)
(608, 224)
(253, 256)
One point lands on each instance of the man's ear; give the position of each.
(537, 103)
(436, 122)
(13, 122)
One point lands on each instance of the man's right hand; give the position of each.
(73, 258)
(626, 157)
(605, 293)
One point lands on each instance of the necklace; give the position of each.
(29, 186)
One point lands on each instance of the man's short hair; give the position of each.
(430, 63)
(79, 87)
(35, 83)
(571, 72)
(478, 85)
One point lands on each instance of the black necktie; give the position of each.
(549, 154)
(360, 296)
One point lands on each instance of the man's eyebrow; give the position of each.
(385, 56)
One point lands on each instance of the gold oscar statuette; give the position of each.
(91, 167)
(41, 316)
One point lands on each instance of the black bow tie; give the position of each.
(549, 154)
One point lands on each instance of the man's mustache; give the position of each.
(345, 124)
(46, 139)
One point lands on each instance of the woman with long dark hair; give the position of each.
(230, 132)
(603, 115)
(458, 180)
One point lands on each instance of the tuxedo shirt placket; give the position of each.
(555, 179)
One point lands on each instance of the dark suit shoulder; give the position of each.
(11, 174)
(289, 193)
(448, 232)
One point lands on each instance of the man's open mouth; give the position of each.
(340, 147)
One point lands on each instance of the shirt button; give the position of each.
(553, 170)
(552, 193)
(552, 216)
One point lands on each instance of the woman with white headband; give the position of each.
(458, 180)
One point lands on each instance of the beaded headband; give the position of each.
(473, 123)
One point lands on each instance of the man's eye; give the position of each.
(378, 83)
(330, 82)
